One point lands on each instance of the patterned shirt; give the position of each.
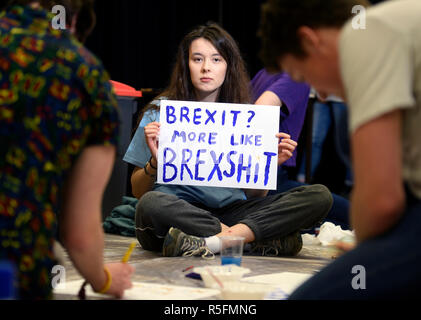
(55, 99)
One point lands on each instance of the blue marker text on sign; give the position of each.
(218, 144)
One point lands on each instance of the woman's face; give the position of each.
(207, 69)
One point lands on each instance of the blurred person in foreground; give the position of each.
(371, 57)
(58, 131)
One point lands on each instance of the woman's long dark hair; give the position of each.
(236, 87)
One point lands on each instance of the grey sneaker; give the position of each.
(287, 246)
(177, 243)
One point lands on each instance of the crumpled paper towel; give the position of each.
(329, 234)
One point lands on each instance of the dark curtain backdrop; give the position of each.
(137, 40)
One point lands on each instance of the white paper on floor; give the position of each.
(329, 234)
(285, 282)
(144, 291)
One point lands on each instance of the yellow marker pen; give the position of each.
(128, 253)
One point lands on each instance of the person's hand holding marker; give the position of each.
(121, 274)
(117, 278)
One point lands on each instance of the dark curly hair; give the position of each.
(281, 19)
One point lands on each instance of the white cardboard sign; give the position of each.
(218, 144)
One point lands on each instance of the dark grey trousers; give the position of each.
(269, 217)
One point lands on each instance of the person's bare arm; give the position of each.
(378, 197)
(268, 98)
(81, 220)
(140, 180)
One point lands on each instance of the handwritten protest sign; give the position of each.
(218, 144)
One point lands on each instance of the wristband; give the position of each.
(153, 176)
(108, 283)
(150, 163)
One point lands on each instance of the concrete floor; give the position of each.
(153, 267)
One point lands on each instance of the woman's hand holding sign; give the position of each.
(286, 147)
(152, 138)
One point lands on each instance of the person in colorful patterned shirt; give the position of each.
(58, 135)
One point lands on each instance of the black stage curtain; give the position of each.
(137, 40)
